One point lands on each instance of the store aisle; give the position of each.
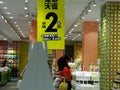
(9, 86)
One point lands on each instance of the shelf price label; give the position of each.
(50, 23)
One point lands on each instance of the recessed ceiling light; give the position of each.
(11, 17)
(2, 17)
(5, 8)
(26, 15)
(15, 22)
(75, 25)
(16, 25)
(70, 32)
(6, 21)
(25, 8)
(97, 19)
(72, 29)
(26, 1)
(29, 22)
(18, 28)
(1, 2)
(94, 5)
(5, 39)
(79, 34)
(89, 10)
(8, 13)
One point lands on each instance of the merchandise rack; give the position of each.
(109, 44)
(83, 80)
(9, 51)
(3, 51)
(13, 58)
(3, 78)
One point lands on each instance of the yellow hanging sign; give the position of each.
(50, 23)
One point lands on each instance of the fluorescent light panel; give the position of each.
(1, 2)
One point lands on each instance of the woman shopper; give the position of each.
(64, 70)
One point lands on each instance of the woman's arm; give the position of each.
(57, 73)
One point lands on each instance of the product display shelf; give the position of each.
(3, 51)
(109, 44)
(83, 80)
(3, 78)
(5, 75)
(13, 59)
(116, 85)
(9, 51)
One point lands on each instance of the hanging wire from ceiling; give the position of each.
(81, 16)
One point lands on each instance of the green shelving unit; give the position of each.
(10, 51)
(109, 44)
(3, 78)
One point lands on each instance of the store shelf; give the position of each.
(9, 51)
(82, 80)
(5, 75)
(117, 81)
(79, 86)
(114, 89)
(3, 78)
(109, 44)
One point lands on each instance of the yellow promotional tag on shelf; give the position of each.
(50, 23)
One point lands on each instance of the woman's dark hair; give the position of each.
(4, 63)
(62, 62)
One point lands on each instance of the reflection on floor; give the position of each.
(9, 86)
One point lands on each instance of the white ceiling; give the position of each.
(73, 9)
